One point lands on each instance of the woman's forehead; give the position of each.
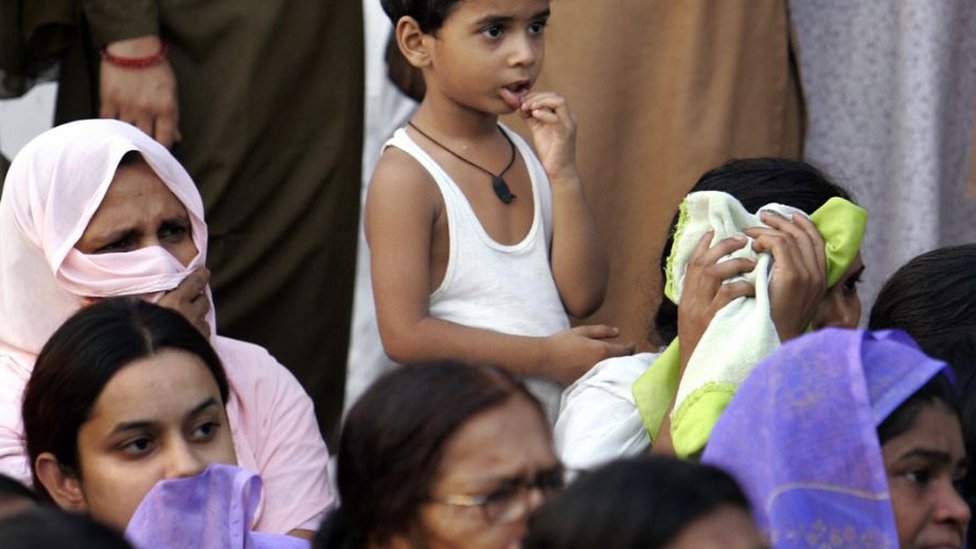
(162, 387)
(505, 440)
(935, 430)
(136, 193)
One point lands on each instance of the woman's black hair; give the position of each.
(635, 503)
(131, 158)
(939, 390)
(933, 298)
(83, 355)
(47, 526)
(393, 442)
(754, 182)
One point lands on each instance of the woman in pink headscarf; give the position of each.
(96, 209)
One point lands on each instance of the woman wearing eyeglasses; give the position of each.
(443, 455)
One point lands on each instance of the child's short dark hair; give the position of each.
(429, 14)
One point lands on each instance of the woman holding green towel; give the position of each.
(794, 276)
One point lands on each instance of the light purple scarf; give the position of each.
(801, 436)
(212, 510)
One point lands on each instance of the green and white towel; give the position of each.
(741, 333)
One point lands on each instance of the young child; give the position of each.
(479, 248)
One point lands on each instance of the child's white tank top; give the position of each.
(493, 286)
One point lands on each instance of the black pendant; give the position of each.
(501, 189)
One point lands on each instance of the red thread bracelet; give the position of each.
(136, 62)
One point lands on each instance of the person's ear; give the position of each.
(64, 487)
(414, 43)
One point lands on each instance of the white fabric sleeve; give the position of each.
(598, 419)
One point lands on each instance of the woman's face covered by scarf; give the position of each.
(94, 209)
(138, 211)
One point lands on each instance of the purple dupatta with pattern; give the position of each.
(801, 436)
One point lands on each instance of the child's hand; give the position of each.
(571, 353)
(798, 282)
(553, 128)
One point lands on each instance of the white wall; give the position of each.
(23, 118)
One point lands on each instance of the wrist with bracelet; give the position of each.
(136, 62)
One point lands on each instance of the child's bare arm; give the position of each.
(400, 212)
(579, 261)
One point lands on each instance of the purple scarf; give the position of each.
(212, 510)
(800, 436)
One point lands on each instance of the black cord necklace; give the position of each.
(497, 182)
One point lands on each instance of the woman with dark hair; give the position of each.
(933, 298)
(848, 437)
(783, 278)
(95, 350)
(754, 183)
(97, 209)
(441, 455)
(125, 399)
(647, 503)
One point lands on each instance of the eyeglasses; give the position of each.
(509, 500)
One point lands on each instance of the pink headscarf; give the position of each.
(52, 190)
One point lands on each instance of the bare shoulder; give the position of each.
(400, 182)
(400, 174)
(401, 189)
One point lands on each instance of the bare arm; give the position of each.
(579, 260)
(401, 208)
